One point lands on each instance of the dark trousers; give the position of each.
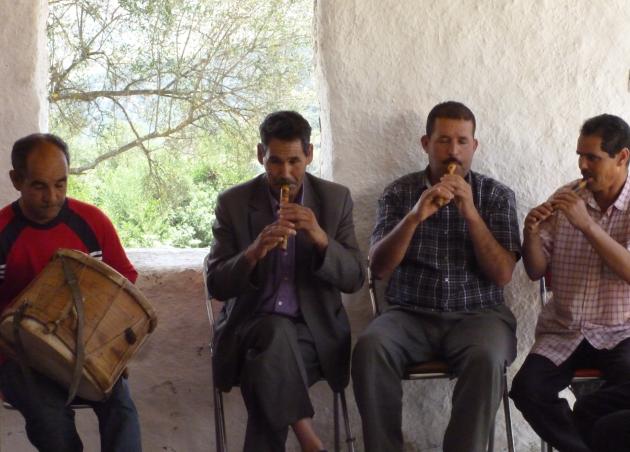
(50, 424)
(603, 418)
(536, 386)
(278, 365)
(476, 345)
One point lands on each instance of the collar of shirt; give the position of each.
(621, 203)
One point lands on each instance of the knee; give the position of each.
(486, 358)
(369, 349)
(273, 330)
(50, 435)
(524, 386)
(120, 401)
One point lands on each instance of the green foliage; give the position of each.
(170, 202)
(160, 101)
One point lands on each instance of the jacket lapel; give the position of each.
(260, 215)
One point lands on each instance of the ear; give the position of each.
(309, 154)
(624, 155)
(475, 144)
(260, 150)
(424, 141)
(16, 179)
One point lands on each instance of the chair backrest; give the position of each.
(213, 306)
(377, 292)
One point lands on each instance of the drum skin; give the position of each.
(118, 319)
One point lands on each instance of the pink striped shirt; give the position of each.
(589, 301)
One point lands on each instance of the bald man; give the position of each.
(32, 228)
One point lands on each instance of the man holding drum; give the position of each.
(450, 243)
(283, 326)
(32, 228)
(583, 238)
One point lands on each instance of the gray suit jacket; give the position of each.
(241, 213)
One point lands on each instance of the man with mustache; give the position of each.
(283, 326)
(32, 228)
(583, 238)
(448, 266)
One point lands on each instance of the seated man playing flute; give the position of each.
(450, 240)
(281, 265)
(583, 238)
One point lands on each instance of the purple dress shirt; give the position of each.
(279, 295)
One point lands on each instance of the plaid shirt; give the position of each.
(589, 301)
(439, 271)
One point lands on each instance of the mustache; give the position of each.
(284, 181)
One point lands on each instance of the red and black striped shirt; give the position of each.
(26, 247)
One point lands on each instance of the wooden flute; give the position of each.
(450, 169)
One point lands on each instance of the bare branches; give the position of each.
(138, 74)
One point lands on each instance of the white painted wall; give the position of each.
(23, 75)
(532, 71)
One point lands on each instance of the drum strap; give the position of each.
(71, 279)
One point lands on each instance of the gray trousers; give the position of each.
(476, 345)
(278, 365)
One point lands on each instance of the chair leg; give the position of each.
(346, 419)
(508, 416)
(219, 422)
(336, 420)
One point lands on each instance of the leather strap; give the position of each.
(79, 353)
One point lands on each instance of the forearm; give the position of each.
(341, 265)
(388, 253)
(534, 258)
(615, 256)
(496, 262)
(229, 277)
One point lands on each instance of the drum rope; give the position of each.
(77, 297)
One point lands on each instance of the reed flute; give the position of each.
(575, 189)
(450, 169)
(579, 186)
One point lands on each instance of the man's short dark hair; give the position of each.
(450, 110)
(614, 132)
(286, 126)
(24, 146)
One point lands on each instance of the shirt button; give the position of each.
(285, 278)
(279, 303)
(445, 279)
